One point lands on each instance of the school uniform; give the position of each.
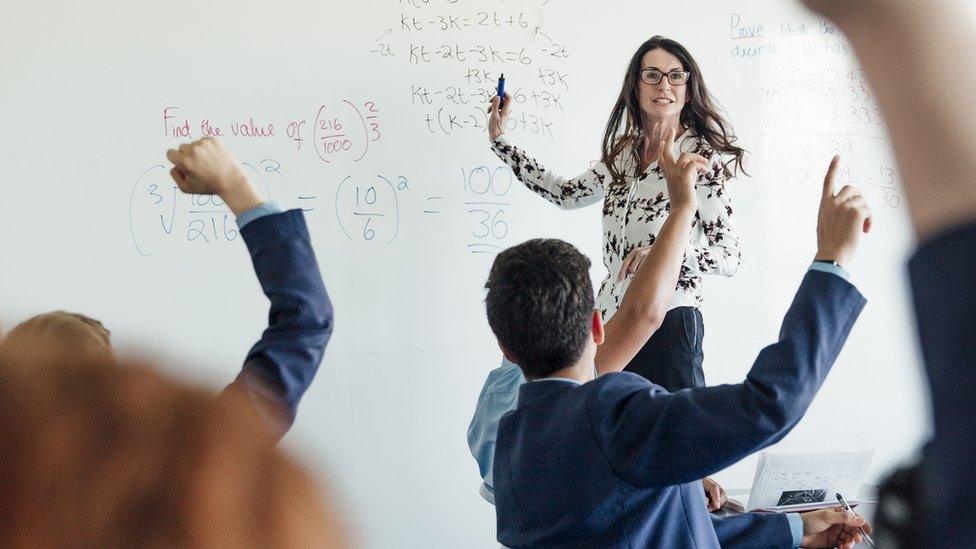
(280, 367)
(499, 395)
(617, 462)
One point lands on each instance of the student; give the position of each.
(917, 68)
(281, 365)
(639, 316)
(75, 330)
(98, 453)
(614, 462)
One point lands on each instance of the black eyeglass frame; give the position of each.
(646, 80)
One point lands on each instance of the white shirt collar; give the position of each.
(569, 379)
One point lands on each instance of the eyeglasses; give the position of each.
(676, 77)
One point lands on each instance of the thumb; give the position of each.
(179, 177)
(690, 169)
(625, 266)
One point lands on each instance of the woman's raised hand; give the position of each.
(497, 117)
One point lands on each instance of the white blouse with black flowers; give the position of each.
(634, 212)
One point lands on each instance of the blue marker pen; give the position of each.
(501, 91)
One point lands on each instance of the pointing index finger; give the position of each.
(828, 186)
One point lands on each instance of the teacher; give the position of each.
(663, 92)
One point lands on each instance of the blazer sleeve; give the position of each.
(281, 365)
(654, 438)
(753, 531)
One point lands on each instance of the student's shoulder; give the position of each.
(608, 392)
(619, 385)
(505, 378)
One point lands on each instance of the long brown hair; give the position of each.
(701, 114)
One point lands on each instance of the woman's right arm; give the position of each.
(569, 194)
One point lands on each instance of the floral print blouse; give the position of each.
(634, 212)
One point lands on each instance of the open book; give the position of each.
(802, 482)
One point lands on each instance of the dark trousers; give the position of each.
(672, 357)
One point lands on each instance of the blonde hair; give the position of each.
(65, 329)
(103, 454)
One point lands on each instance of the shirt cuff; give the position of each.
(796, 528)
(265, 208)
(831, 268)
(487, 493)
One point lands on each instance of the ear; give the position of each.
(508, 355)
(597, 321)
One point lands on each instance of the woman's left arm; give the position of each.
(722, 255)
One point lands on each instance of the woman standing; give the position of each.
(663, 91)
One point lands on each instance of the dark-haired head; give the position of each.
(540, 305)
(629, 120)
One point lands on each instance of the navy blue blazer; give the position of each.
(617, 462)
(281, 365)
(943, 280)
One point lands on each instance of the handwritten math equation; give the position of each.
(341, 130)
(811, 83)
(454, 55)
(161, 214)
(815, 102)
(805, 160)
(368, 210)
(486, 200)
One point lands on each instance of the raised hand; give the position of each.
(680, 172)
(497, 117)
(843, 217)
(205, 166)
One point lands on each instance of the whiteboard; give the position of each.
(370, 116)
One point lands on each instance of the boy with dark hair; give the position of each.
(614, 462)
(641, 312)
(567, 301)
